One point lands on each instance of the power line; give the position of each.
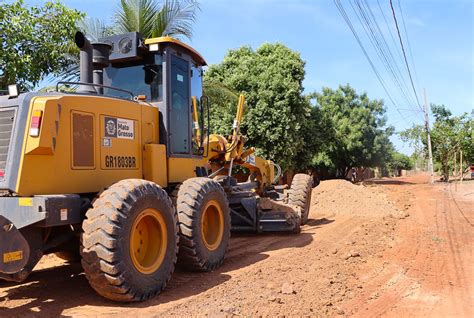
(372, 29)
(389, 30)
(401, 79)
(404, 54)
(396, 48)
(374, 42)
(409, 46)
(351, 27)
(375, 35)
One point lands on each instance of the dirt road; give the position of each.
(392, 247)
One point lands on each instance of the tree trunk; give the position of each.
(445, 168)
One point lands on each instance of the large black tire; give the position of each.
(299, 194)
(198, 204)
(110, 233)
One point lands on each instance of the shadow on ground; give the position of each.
(50, 291)
(386, 182)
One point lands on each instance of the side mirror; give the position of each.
(151, 71)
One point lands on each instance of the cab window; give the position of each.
(144, 77)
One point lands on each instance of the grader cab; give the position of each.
(124, 175)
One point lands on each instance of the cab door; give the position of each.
(180, 110)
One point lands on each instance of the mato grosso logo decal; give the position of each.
(119, 128)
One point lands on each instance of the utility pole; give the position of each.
(461, 168)
(430, 153)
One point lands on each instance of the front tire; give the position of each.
(129, 244)
(204, 224)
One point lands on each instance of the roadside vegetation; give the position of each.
(449, 135)
(326, 132)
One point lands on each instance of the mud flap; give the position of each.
(14, 249)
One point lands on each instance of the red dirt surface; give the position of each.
(390, 247)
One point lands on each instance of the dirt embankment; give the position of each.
(340, 197)
(363, 252)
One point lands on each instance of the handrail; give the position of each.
(94, 85)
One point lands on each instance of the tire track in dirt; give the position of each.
(428, 272)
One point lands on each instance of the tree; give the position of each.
(354, 130)
(449, 134)
(271, 79)
(172, 18)
(34, 41)
(400, 161)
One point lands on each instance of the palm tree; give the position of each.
(152, 19)
(94, 29)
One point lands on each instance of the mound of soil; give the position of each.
(341, 197)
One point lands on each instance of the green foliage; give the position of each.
(351, 130)
(400, 161)
(416, 137)
(271, 80)
(449, 134)
(152, 19)
(34, 41)
(94, 28)
(341, 130)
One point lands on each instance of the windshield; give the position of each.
(144, 77)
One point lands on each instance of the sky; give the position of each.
(440, 34)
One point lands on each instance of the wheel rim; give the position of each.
(148, 241)
(212, 225)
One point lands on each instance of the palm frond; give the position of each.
(136, 16)
(94, 28)
(220, 95)
(176, 18)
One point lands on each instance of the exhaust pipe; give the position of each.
(85, 64)
(100, 60)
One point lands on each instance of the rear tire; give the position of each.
(204, 224)
(129, 244)
(299, 194)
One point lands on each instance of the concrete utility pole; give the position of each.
(461, 168)
(430, 153)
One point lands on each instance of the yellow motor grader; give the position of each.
(123, 174)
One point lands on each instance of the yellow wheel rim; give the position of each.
(212, 225)
(148, 241)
